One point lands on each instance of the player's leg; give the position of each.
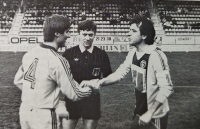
(69, 124)
(90, 124)
(163, 122)
(24, 114)
(44, 119)
(91, 112)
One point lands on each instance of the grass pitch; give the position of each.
(117, 101)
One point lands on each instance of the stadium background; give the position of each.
(177, 31)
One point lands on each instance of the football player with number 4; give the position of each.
(150, 76)
(43, 74)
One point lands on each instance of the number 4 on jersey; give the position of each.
(30, 74)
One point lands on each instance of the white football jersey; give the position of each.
(42, 75)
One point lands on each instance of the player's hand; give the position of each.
(61, 112)
(94, 84)
(145, 118)
(87, 90)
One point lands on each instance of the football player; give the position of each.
(150, 75)
(43, 74)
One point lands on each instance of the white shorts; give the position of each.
(35, 118)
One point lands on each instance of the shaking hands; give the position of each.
(94, 84)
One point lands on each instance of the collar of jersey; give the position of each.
(82, 48)
(47, 47)
(148, 49)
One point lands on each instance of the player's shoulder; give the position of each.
(32, 53)
(57, 60)
(158, 58)
(158, 54)
(55, 55)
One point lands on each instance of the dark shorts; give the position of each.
(88, 108)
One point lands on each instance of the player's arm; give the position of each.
(68, 86)
(160, 70)
(115, 77)
(61, 110)
(18, 80)
(162, 75)
(120, 73)
(67, 56)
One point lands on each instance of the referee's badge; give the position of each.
(96, 72)
(143, 64)
(76, 59)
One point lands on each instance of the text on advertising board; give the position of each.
(21, 40)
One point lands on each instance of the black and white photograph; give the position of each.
(99, 64)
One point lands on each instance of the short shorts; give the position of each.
(88, 108)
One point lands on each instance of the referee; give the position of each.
(86, 62)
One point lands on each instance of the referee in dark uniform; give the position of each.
(86, 62)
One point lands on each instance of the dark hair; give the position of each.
(53, 24)
(87, 25)
(146, 28)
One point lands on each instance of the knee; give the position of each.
(90, 124)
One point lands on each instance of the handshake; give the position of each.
(94, 84)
